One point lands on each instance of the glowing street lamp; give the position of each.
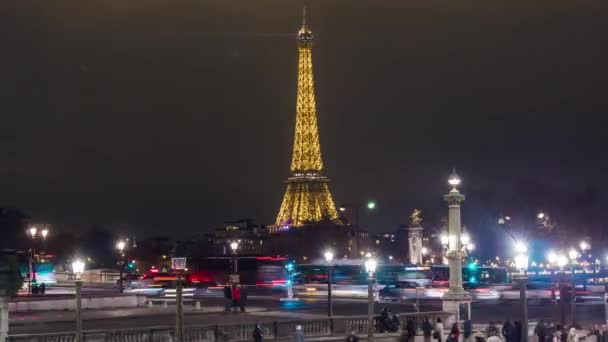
(454, 180)
(444, 239)
(541, 215)
(120, 246)
(371, 205)
(32, 231)
(465, 239)
(584, 246)
(552, 257)
(521, 262)
(573, 254)
(234, 246)
(370, 268)
(521, 247)
(329, 257)
(470, 247)
(424, 251)
(562, 260)
(78, 269)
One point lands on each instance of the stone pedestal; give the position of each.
(460, 309)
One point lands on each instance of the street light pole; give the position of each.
(573, 307)
(179, 265)
(521, 262)
(121, 248)
(606, 302)
(370, 267)
(523, 295)
(78, 269)
(573, 255)
(329, 256)
(234, 247)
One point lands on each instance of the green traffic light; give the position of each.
(371, 205)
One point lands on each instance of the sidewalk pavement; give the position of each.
(70, 316)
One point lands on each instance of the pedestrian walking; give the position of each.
(516, 332)
(563, 334)
(439, 330)
(227, 298)
(299, 334)
(236, 297)
(467, 331)
(243, 299)
(507, 328)
(454, 333)
(42, 288)
(541, 331)
(410, 326)
(427, 330)
(257, 334)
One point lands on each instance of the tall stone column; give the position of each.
(456, 299)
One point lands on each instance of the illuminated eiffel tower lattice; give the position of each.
(307, 198)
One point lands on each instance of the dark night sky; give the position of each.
(168, 117)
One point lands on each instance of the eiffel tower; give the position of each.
(307, 198)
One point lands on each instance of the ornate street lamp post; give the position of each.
(329, 256)
(78, 269)
(370, 268)
(521, 263)
(178, 264)
(573, 254)
(234, 247)
(34, 233)
(120, 246)
(456, 299)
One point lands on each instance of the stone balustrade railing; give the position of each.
(278, 330)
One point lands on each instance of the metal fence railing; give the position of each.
(275, 330)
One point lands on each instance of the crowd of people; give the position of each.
(235, 297)
(434, 331)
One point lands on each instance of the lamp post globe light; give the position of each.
(465, 239)
(329, 257)
(573, 254)
(456, 300)
(34, 233)
(78, 269)
(120, 247)
(521, 263)
(234, 247)
(370, 268)
(561, 261)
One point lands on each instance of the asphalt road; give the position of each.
(482, 312)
